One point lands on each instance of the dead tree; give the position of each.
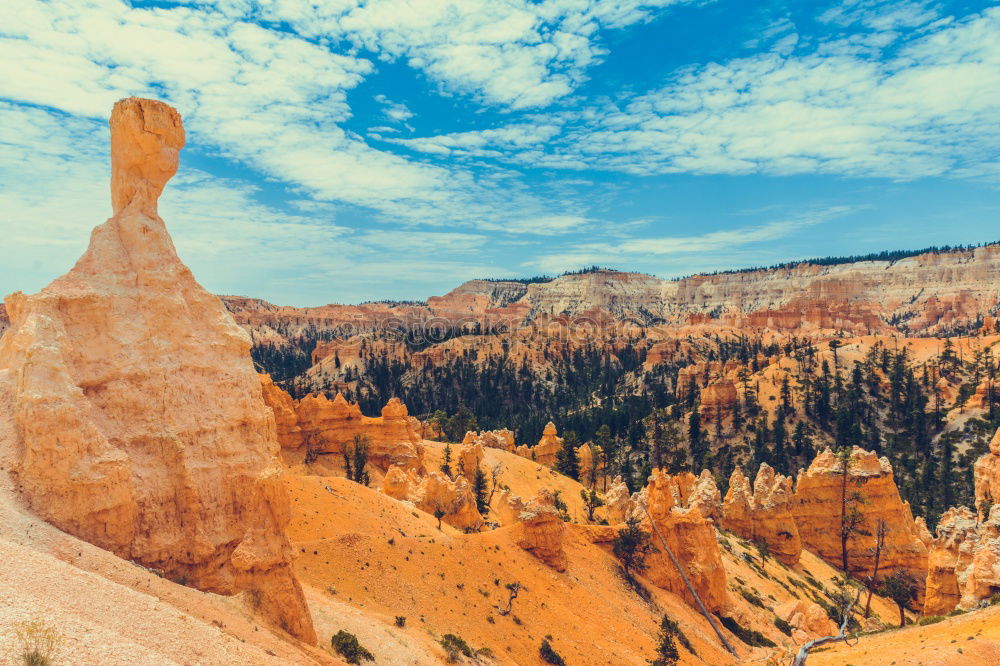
(803, 653)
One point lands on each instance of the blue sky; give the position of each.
(395, 148)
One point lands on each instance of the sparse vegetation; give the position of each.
(400, 621)
(631, 547)
(347, 646)
(39, 643)
(455, 646)
(356, 460)
(549, 655)
(751, 637)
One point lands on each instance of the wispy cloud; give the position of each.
(662, 254)
(927, 110)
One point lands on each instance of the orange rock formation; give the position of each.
(131, 398)
(435, 492)
(327, 426)
(541, 531)
(817, 511)
(763, 513)
(964, 563)
(548, 446)
(497, 439)
(691, 537)
(987, 477)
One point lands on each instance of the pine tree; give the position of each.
(567, 461)
(480, 491)
(666, 647)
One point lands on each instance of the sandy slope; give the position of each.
(972, 639)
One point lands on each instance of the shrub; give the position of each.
(668, 625)
(752, 598)
(749, 636)
(455, 646)
(400, 621)
(348, 647)
(995, 599)
(933, 619)
(548, 655)
(783, 626)
(39, 642)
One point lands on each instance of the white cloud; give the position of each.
(517, 53)
(929, 110)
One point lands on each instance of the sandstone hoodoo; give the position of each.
(763, 514)
(131, 404)
(691, 537)
(826, 497)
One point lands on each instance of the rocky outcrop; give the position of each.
(326, 426)
(497, 439)
(548, 446)
(764, 513)
(698, 492)
(433, 493)
(507, 507)
(286, 418)
(817, 512)
(964, 562)
(468, 459)
(691, 537)
(138, 422)
(587, 455)
(987, 478)
(717, 400)
(949, 560)
(541, 531)
(618, 504)
(807, 618)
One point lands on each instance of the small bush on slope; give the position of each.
(348, 647)
(548, 655)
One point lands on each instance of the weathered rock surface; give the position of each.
(763, 513)
(541, 531)
(987, 477)
(468, 458)
(618, 503)
(548, 446)
(949, 560)
(435, 492)
(497, 439)
(508, 507)
(327, 426)
(691, 537)
(138, 420)
(817, 512)
(808, 620)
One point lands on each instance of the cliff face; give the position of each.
(929, 292)
(763, 513)
(817, 512)
(138, 421)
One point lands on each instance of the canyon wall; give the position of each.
(929, 293)
(138, 420)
